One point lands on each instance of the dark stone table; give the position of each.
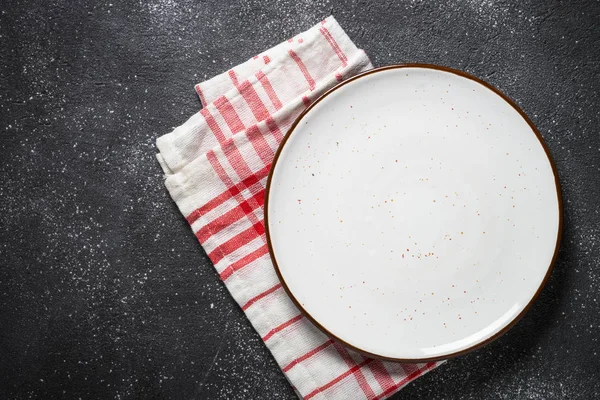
(104, 291)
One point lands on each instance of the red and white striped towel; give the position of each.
(216, 166)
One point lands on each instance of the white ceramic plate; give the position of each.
(413, 213)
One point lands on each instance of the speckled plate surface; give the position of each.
(413, 213)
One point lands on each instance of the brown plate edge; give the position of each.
(558, 194)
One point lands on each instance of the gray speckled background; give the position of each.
(104, 291)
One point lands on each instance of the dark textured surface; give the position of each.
(104, 291)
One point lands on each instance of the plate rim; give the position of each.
(475, 346)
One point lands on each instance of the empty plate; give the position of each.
(413, 213)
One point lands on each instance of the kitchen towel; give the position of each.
(216, 166)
